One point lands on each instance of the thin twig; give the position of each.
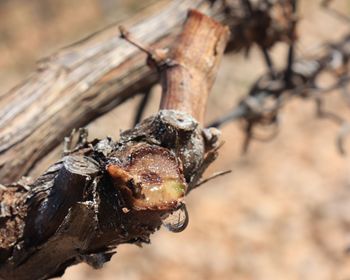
(269, 62)
(236, 113)
(211, 177)
(142, 106)
(124, 34)
(291, 50)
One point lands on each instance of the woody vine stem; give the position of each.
(104, 193)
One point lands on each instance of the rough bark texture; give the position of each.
(105, 193)
(89, 78)
(78, 84)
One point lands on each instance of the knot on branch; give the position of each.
(180, 133)
(104, 193)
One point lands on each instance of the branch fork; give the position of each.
(105, 193)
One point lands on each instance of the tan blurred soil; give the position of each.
(284, 211)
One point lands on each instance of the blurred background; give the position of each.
(284, 211)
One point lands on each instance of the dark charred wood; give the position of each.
(105, 193)
(93, 76)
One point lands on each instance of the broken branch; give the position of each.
(105, 193)
(193, 64)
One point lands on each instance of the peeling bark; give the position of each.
(93, 76)
(82, 81)
(104, 193)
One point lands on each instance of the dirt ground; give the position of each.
(284, 211)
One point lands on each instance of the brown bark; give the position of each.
(183, 84)
(80, 83)
(87, 79)
(106, 193)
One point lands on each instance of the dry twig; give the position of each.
(105, 193)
